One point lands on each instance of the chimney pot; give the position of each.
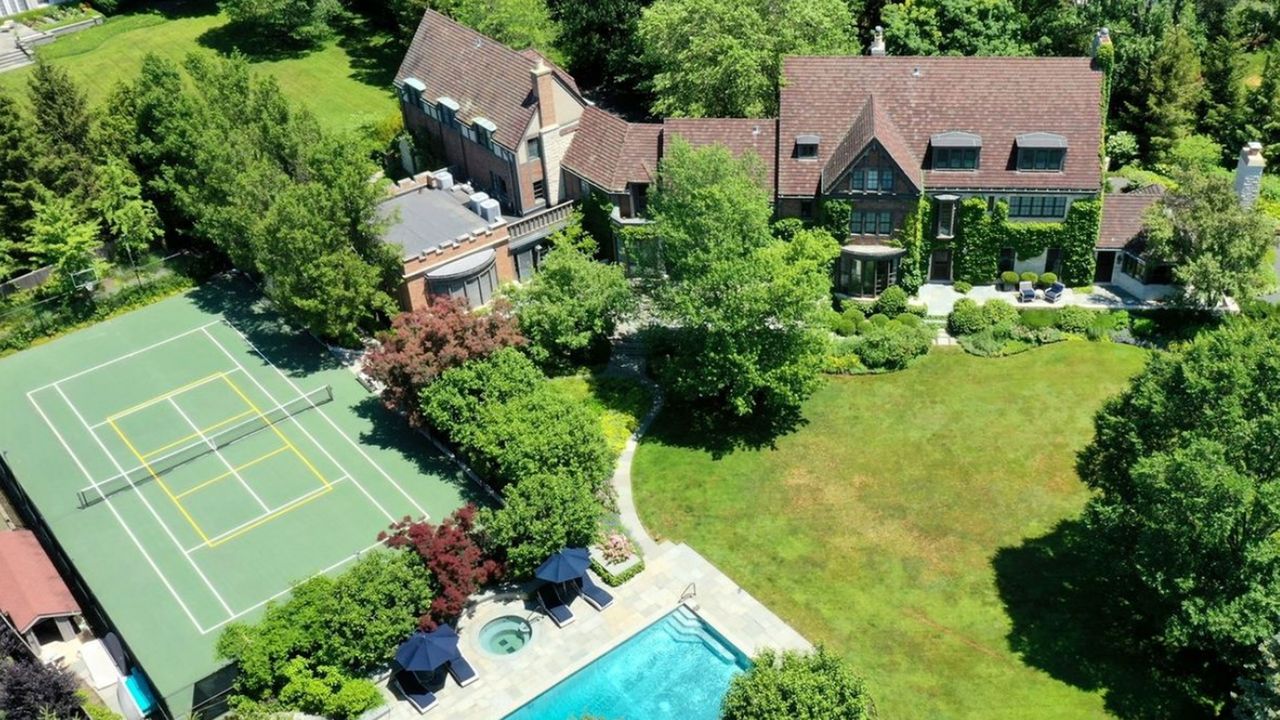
(544, 93)
(877, 41)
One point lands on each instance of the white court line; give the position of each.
(145, 502)
(230, 468)
(157, 400)
(125, 526)
(269, 512)
(332, 424)
(282, 593)
(300, 427)
(126, 356)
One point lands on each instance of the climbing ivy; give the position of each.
(911, 272)
(981, 234)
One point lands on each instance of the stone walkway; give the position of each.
(941, 299)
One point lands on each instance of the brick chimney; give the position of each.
(1249, 173)
(877, 41)
(544, 93)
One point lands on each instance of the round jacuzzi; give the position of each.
(505, 635)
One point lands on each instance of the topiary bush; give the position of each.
(1048, 279)
(999, 312)
(892, 302)
(843, 324)
(1029, 277)
(966, 318)
(893, 346)
(962, 287)
(880, 319)
(1009, 277)
(1075, 319)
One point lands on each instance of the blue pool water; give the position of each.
(678, 667)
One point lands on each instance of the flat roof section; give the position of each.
(428, 219)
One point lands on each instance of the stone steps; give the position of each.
(11, 59)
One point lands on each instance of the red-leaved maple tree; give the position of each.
(457, 563)
(424, 343)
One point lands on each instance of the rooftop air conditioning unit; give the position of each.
(444, 180)
(490, 210)
(474, 201)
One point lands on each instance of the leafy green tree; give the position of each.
(1193, 153)
(517, 23)
(1258, 693)
(601, 42)
(61, 111)
(454, 403)
(1217, 244)
(1188, 503)
(722, 58)
(326, 691)
(131, 220)
(18, 186)
(1174, 89)
(954, 27)
(62, 237)
(811, 686)
(746, 308)
(298, 23)
(571, 307)
(1226, 98)
(542, 515)
(1264, 109)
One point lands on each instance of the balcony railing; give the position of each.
(551, 217)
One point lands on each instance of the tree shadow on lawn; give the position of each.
(232, 38)
(1056, 592)
(174, 9)
(375, 52)
(696, 428)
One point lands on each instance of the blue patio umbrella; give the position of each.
(424, 652)
(568, 564)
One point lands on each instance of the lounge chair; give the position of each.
(414, 691)
(598, 597)
(462, 672)
(552, 605)
(1054, 293)
(1026, 291)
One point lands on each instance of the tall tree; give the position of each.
(543, 514)
(1187, 509)
(61, 111)
(62, 237)
(746, 307)
(293, 23)
(131, 221)
(721, 58)
(1217, 244)
(954, 27)
(1174, 89)
(1226, 111)
(602, 44)
(18, 184)
(1258, 693)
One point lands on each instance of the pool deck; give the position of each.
(672, 573)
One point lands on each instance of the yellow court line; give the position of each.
(233, 471)
(271, 516)
(276, 430)
(165, 396)
(197, 434)
(159, 482)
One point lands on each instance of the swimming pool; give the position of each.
(677, 667)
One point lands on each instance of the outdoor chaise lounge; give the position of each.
(414, 691)
(552, 605)
(598, 597)
(1054, 293)
(462, 672)
(1026, 291)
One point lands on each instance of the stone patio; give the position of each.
(941, 299)
(673, 574)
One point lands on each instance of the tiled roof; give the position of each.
(871, 124)
(487, 78)
(30, 587)
(738, 135)
(997, 98)
(1122, 216)
(610, 152)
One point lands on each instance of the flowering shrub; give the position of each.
(616, 548)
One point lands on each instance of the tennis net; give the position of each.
(98, 492)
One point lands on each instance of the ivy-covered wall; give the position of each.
(834, 216)
(981, 234)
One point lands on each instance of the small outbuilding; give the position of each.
(33, 596)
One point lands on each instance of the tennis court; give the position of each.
(196, 458)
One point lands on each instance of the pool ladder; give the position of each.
(690, 591)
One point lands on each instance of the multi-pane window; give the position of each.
(1053, 261)
(871, 222)
(468, 132)
(872, 179)
(539, 190)
(1134, 267)
(806, 151)
(1044, 159)
(945, 158)
(431, 110)
(1037, 206)
(533, 148)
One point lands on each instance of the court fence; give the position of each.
(52, 309)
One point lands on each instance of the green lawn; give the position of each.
(346, 83)
(877, 528)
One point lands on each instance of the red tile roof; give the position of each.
(872, 124)
(1122, 216)
(997, 98)
(487, 78)
(30, 587)
(610, 152)
(738, 135)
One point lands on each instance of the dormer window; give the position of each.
(1041, 152)
(412, 91)
(448, 109)
(955, 150)
(807, 147)
(484, 130)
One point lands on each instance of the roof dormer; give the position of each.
(955, 150)
(1041, 152)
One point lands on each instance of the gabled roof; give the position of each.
(1122, 218)
(610, 152)
(30, 587)
(738, 135)
(485, 77)
(871, 124)
(996, 98)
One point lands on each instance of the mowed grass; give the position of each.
(873, 528)
(346, 83)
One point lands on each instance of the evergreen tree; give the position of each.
(17, 182)
(1264, 110)
(1226, 109)
(61, 107)
(1174, 88)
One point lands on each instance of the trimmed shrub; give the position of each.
(1029, 277)
(962, 287)
(1048, 279)
(862, 307)
(842, 358)
(966, 318)
(999, 311)
(918, 309)
(1075, 319)
(909, 320)
(843, 324)
(892, 302)
(1039, 318)
(893, 346)
(1009, 277)
(880, 319)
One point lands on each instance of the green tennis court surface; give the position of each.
(196, 458)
